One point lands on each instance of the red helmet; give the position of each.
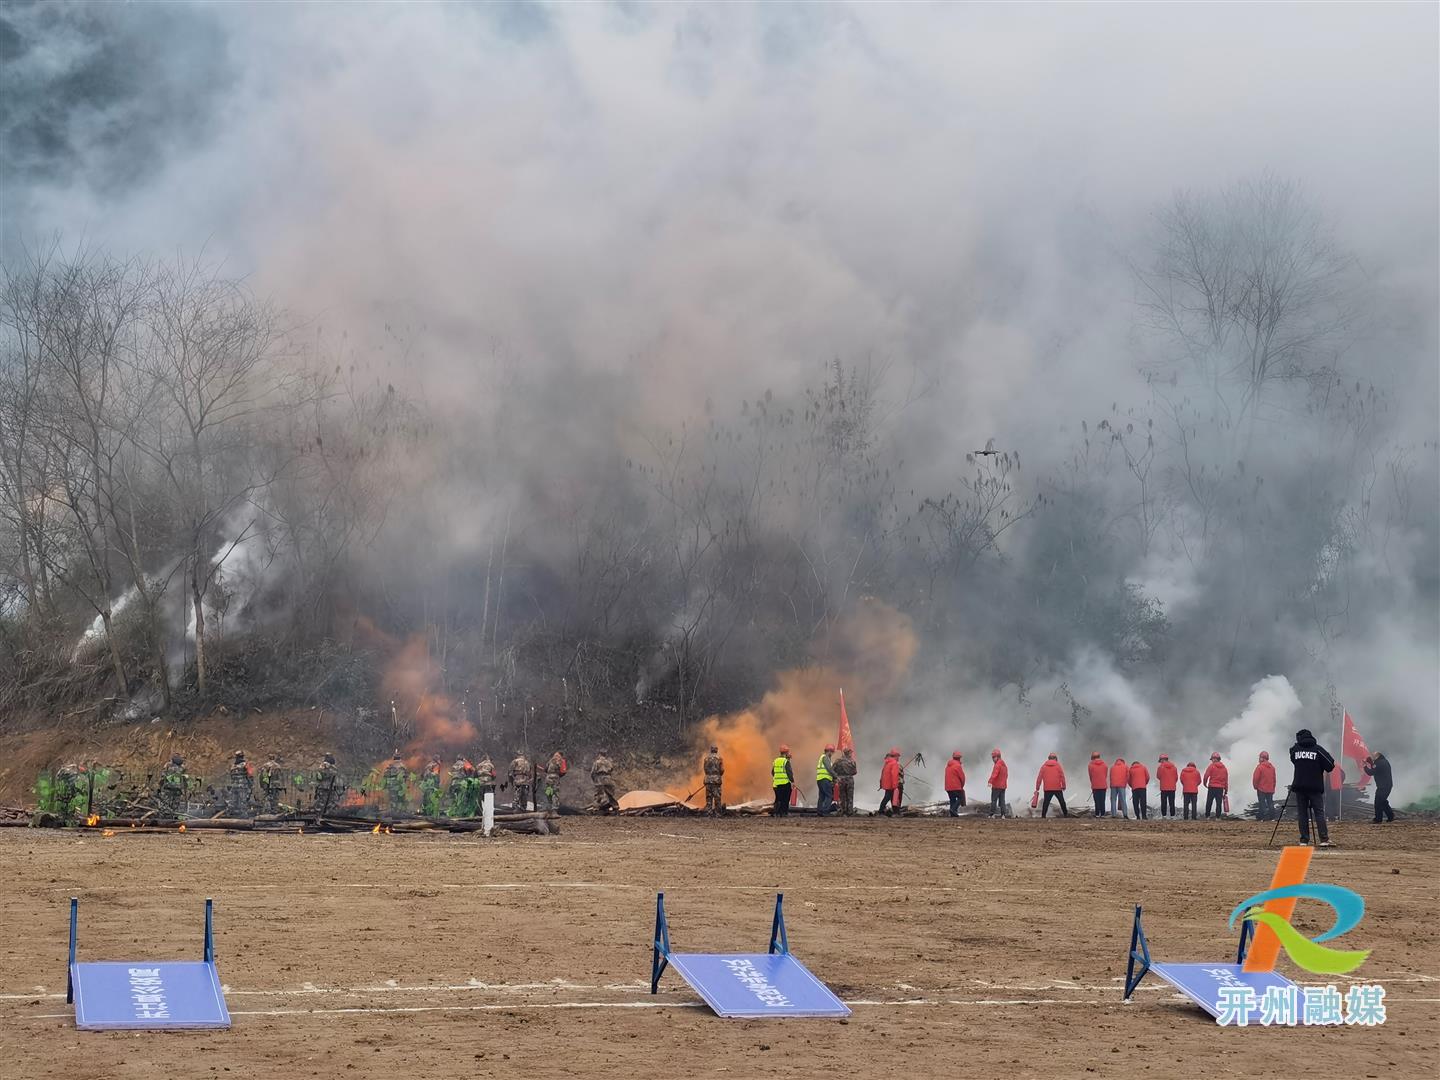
(784, 749)
(1264, 755)
(829, 746)
(1215, 757)
(957, 755)
(1164, 757)
(894, 752)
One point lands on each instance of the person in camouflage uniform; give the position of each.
(485, 774)
(241, 789)
(272, 783)
(327, 786)
(555, 768)
(394, 779)
(845, 767)
(714, 781)
(600, 771)
(522, 775)
(461, 793)
(174, 786)
(70, 781)
(430, 788)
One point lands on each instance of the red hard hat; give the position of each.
(895, 751)
(1164, 757)
(1094, 753)
(1215, 757)
(784, 749)
(829, 746)
(957, 755)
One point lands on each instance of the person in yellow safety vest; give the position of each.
(783, 780)
(825, 781)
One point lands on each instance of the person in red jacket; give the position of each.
(892, 780)
(1139, 789)
(1263, 781)
(1217, 783)
(1166, 775)
(1119, 777)
(1098, 773)
(955, 782)
(1052, 778)
(1190, 788)
(999, 780)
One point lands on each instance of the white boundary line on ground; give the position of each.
(368, 1010)
(394, 986)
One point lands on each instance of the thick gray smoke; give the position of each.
(576, 237)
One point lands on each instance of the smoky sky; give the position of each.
(685, 203)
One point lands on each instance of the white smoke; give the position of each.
(1268, 722)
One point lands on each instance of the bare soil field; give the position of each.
(969, 948)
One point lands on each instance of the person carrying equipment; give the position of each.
(824, 782)
(845, 767)
(240, 790)
(1378, 766)
(955, 782)
(1167, 776)
(1217, 783)
(999, 781)
(1119, 777)
(1099, 772)
(1139, 794)
(522, 774)
(555, 768)
(394, 780)
(327, 785)
(430, 788)
(1052, 778)
(272, 783)
(714, 768)
(1312, 761)
(892, 779)
(600, 770)
(173, 787)
(1263, 781)
(1190, 788)
(782, 779)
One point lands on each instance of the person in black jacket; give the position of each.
(1312, 761)
(1378, 766)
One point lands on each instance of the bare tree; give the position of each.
(211, 361)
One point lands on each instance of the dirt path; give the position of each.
(974, 948)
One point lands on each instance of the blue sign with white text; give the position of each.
(146, 995)
(757, 985)
(1205, 984)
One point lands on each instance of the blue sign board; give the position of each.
(757, 985)
(148, 995)
(1201, 983)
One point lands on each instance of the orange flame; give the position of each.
(182, 826)
(93, 820)
(108, 832)
(868, 653)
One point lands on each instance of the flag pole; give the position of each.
(1340, 804)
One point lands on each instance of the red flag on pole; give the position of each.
(844, 739)
(1353, 747)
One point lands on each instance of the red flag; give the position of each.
(844, 740)
(1353, 747)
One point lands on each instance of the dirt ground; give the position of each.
(969, 948)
